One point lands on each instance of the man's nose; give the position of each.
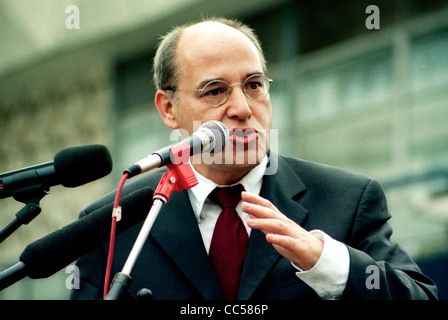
(238, 103)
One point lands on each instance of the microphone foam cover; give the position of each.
(49, 254)
(76, 166)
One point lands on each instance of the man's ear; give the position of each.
(164, 105)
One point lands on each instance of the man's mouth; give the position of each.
(242, 135)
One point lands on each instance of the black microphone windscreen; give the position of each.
(47, 255)
(76, 166)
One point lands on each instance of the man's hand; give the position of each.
(288, 238)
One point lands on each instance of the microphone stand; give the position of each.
(179, 177)
(31, 210)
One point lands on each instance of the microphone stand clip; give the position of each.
(179, 177)
(31, 197)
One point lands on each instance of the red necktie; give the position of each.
(229, 242)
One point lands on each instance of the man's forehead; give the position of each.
(211, 45)
(212, 31)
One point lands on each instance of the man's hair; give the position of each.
(166, 71)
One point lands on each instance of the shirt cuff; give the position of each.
(329, 275)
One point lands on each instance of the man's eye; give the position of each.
(215, 91)
(253, 85)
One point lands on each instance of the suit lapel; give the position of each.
(177, 232)
(281, 189)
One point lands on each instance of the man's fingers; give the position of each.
(268, 225)
(258, 211)
(265, 216)
(259, 207)
(255, 199)
(287, 237)
(280, 240)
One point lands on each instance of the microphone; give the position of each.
(71, 167)
(46, 256)
(212, 136)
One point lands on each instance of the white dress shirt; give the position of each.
(327, 277)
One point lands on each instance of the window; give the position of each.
(139, 129)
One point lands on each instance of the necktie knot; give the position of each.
(227, 197)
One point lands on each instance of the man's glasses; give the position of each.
(217, 92)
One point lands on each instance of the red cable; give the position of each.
(112, 234)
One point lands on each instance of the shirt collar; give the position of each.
(199, 193)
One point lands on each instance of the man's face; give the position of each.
(212, 51)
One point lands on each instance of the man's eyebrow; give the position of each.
(203, 83)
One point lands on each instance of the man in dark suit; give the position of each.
(313, 231)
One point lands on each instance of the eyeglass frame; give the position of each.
(229, 91)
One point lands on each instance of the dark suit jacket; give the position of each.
(350, 208)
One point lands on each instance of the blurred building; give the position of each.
(369, 100)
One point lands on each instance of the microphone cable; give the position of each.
(214, 134)
(116, 216)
